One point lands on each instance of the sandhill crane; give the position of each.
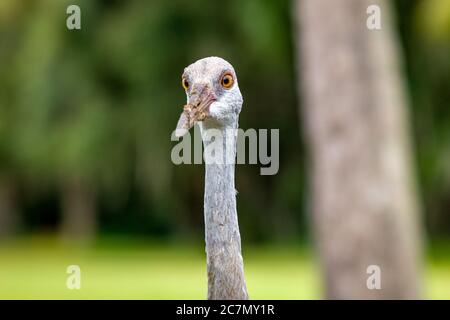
(214, 101)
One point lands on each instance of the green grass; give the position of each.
(36, 269)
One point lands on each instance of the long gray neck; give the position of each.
(223, 242)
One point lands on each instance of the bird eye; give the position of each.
(227, 81)
(185, 83)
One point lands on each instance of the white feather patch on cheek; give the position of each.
(219, 111)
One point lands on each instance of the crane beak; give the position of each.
(196, 110)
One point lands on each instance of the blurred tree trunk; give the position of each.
(355, 113)
(9, 217)
(79, 208)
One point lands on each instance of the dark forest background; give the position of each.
(86, 116)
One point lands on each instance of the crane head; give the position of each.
(212, 94)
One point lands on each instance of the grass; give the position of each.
(36, 269)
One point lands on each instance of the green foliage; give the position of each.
(433, 20)
(425, 32)
(99, 104)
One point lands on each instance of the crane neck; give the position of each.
(223, 242)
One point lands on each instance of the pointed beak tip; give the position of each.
(180, 132)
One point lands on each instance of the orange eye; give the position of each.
(227, 81)
(185, 83)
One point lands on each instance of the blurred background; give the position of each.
(85, 123)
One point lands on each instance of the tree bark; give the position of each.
(364, 199)
(79, 210)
